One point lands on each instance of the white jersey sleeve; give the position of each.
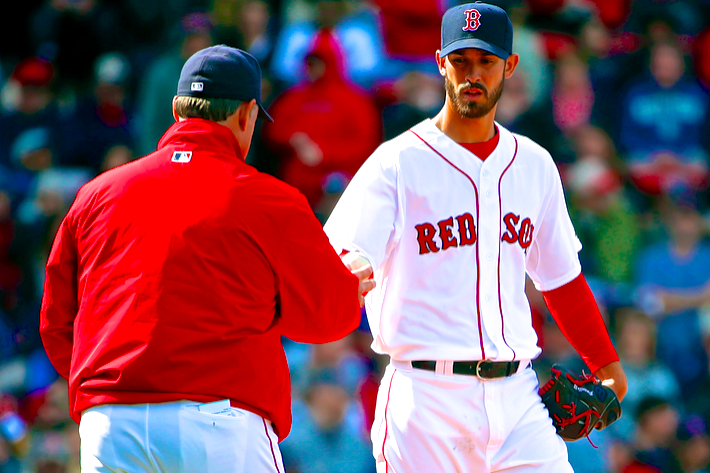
(553, 257)
(367, 216)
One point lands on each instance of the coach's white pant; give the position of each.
(429, 422)
(175, 437)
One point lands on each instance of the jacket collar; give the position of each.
(196, 132)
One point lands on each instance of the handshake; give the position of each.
(360, 267)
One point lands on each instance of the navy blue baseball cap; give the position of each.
(222, 72)
(477, 25)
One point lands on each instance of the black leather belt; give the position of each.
(483, 369)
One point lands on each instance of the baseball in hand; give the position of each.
(360, 267)
(354, 260)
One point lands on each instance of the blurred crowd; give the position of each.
(616, 90)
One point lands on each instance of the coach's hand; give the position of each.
(360, 267)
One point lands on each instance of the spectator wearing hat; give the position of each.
(171, 282)
(33, 125)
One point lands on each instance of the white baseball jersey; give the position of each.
(450, 238)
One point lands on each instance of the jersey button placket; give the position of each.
(488, 247)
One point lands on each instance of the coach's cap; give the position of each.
(477, 25)
(222, 72)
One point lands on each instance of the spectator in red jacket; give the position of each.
(325, 124)
(171, 282)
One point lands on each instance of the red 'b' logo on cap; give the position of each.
(472, 20)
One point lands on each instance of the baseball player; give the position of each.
(451, 215)
(171, 282)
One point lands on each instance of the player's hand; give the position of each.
(360, 267)
(613, 376)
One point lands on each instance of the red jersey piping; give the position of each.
(271, 444)
(384, 441)
(478, 266)
(500, 237)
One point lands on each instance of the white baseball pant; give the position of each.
(427, 421)
(175, 437)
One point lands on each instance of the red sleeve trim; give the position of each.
(574, 309)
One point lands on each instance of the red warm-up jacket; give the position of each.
(175, 276)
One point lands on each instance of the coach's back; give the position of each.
(190, 266)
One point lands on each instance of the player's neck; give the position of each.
(465, 130)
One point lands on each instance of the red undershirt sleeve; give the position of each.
(574, 309)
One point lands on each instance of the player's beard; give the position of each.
(468, 109)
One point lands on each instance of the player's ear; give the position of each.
(441, 63)
(247, 113)
(510, 64)
(175, 115)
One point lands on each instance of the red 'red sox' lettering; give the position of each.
(467, 229)
(522, 235)
(427, 231)
(447, 238)
(425, 237)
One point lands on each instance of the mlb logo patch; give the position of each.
(181, 156)
(197, 86)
